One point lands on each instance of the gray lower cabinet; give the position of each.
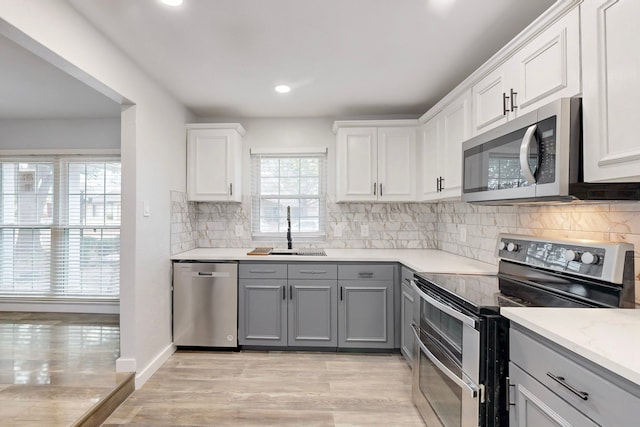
(365, 307)
(550, 385)
(407, 296)
(294, 306)
(262, 312)
(312, 313)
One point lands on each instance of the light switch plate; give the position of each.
(238, 231)
(364, 230)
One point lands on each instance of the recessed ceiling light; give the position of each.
(172, 2)
(283, 89)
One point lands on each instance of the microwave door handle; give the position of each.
(529, 137)
(471, 388)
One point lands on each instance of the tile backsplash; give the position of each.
(452, 226)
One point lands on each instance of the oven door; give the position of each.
(446, 365)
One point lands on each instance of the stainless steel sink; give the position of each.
(298, 252)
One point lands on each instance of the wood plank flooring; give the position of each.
(252, 388)
(55, 367)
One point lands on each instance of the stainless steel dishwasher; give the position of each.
(205, 304)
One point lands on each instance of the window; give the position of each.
(60, 227)
(297, 181)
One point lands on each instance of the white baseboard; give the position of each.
(143, 376)
(124, 364)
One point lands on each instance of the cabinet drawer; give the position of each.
(313, 271)
(262, 270)
(406, 275)
(365, 272)
(611, 400)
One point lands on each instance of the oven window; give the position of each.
(444, 396)
(445, 330)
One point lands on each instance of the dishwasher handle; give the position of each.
(205, 274)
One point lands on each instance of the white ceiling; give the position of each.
(32, 88)
(343, 58)
(222, 58)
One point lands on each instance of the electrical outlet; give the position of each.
(238, 231)
(462, 233)
(337, 231)
(364, 230)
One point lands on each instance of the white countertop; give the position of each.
(608, 337)
(424, 260)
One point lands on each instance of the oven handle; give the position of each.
(471, 388)
(445, 308)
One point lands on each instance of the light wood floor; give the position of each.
(273, 389)
(55, 367)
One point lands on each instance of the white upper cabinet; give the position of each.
(442, 138)
(545, 69)
(611, 66)
(375, 163)
(214, 162)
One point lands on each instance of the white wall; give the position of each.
(67, 134)
(153, 163)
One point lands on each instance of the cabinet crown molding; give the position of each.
(234, 126)
(339, 124)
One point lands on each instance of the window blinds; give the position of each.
(60, 227)
(295, 180)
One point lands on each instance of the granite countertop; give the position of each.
(422, 260)
(607, 337)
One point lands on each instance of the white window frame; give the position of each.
(257, 197)
(60, 228)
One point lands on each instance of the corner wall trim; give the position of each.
(143, 376)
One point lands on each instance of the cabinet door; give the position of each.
(313, 313)
(357, 164)
(537, 406)
(365, 314)
(213, 169)
(548, 67)
(262, 312)
(430, 155)
(406, 317)
(611, 64)
(455, 130)
(397, 164)
(490, 108)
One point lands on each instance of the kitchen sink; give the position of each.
(299, 252)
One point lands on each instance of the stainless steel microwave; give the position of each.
(536, 157)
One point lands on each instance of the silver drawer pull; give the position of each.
(313, 271)
(560, 380)
(365, 274)
(263, 271)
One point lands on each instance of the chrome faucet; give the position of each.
(289, 243)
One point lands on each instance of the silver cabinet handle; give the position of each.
(380, 189)
(471, 388)
(263, 271)
(529, 137)
(374, 188)
(367, 274)
(209, 274)
(312, 271)
(231, 189)
(561, 380)
(513, 100)
(505, 110)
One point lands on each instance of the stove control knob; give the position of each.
(513, 247)
(502, 245)
(589, 258)
(570, 255)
